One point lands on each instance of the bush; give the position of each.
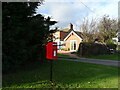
(21, 55)
(87, 48)
(117, 52)
(65, 49)
(73, 52)
(112, 46)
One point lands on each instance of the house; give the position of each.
(59, 37)
(68, 39)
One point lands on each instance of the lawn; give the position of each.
(66, 74)
(106, 56)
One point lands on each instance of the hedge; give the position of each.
(86, 48)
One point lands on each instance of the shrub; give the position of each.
(88, 48)
(117, 52)
(112, 46)
(65, 49)
(73, 52)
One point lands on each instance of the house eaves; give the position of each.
(78, 34)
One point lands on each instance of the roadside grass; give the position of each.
(115, 57)
(105, 56)
(65, 56)
(66, 74)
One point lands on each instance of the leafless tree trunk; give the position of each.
(88, 28)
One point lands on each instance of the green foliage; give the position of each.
(87, 48)
(118, 47)
(107, 29)
(73, 52)
(103, 29)
(65, 49)
(115, 56)
(66, 74)
(112, 46)
(109, 41)
(23, 33)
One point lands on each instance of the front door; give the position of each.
(72, 45)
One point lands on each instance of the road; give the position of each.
(95, 61)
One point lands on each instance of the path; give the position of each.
(96, 61)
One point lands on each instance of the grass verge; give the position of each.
(106, 56)
(66, 74)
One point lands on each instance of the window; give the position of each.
(73, 45)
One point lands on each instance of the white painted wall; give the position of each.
(59, 43)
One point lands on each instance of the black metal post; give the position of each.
(51, 70)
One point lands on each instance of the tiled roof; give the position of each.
(62, 35)
(65, 32)
(77, 32)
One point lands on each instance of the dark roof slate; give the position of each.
(77, 32)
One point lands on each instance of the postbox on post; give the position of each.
(51, 50)
(51, 53)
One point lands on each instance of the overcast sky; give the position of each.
(74, 11)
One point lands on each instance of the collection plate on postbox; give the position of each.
(51, 50)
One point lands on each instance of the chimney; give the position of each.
(70, 26)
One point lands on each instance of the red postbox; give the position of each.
(51, 50)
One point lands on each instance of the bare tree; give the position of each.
(88, 28)
(107, 28)
(103, 29)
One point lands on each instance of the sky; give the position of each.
(74, 11)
